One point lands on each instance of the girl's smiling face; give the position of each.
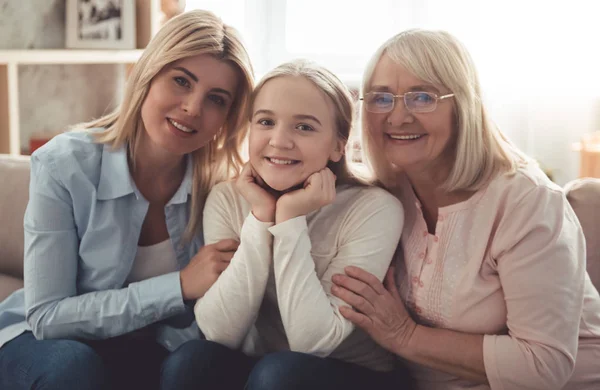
(293, 132)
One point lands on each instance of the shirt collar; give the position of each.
(116, 181)
(185, 189)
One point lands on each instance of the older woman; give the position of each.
(490, 289)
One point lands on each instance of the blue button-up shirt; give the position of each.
(82, 225)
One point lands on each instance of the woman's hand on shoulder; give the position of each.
(318, 191)
(205, 268)
(249, 186)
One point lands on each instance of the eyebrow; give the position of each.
(190, 74)
(422, 87)
(309, 117)
(193, 77)
(380, 88)
(299, 116)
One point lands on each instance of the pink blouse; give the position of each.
(508, 263)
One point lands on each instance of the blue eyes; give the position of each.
(270, 123)
(383, 100)
(216, 99)
(265, 122)
(181, 81)
(422, 97)
(304, 127)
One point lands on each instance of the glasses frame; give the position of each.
(403, 96)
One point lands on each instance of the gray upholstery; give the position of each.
(584, 196)
(14, 194)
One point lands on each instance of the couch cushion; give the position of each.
(14, 194)
(584, 196)
(8, 284)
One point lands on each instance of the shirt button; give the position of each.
(415, 280)
(436, 238)
(421, 284)
(422, 255)
(440, 218)
(425, 233)
(429, 261)
(417, 309)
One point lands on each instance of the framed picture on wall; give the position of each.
(100, 24)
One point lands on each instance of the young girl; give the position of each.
(112, 228)
(300, 217)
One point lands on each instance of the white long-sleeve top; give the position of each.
(275, 294)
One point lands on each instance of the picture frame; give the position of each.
(100, 24)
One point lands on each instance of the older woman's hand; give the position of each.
(378, 308)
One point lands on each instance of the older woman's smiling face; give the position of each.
(410, 141)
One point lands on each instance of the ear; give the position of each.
(338, 152)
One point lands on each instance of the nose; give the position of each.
(192, 104)
(399, 113)
(281, 138)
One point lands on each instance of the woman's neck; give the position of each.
(428, 188)
(156, 172)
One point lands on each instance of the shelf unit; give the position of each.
(147, 23)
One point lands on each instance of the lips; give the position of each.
(281, 161)
(182, 126)
(405, 137)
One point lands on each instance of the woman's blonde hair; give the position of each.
(335, 90)
(481, 151)
(189, 34)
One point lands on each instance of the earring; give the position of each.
(217, 134)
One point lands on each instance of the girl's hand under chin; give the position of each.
(318, 191)
(261, 201)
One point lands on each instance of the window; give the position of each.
(336, 33)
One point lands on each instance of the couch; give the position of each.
(583, 194)
(14, 184)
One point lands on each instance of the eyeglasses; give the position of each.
(416, 102)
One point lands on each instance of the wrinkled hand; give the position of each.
(205, 267)
(378, 308)
(318, 191)
(249, 186)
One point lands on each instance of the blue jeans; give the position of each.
(213, 366)
(121, 363)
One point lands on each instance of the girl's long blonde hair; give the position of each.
(189, 34)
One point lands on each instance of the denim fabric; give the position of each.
(127, 362)
(210, 365)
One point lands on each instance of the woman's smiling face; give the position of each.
(409, 140)
(188, 102)
(293, 132)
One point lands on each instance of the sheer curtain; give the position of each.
(538, 60)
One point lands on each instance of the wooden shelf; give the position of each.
(147, 24)
(69, 56)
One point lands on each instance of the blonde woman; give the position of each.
(491, 290)
(270, 320)
(113, 241)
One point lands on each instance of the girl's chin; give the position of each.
(282, 188)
